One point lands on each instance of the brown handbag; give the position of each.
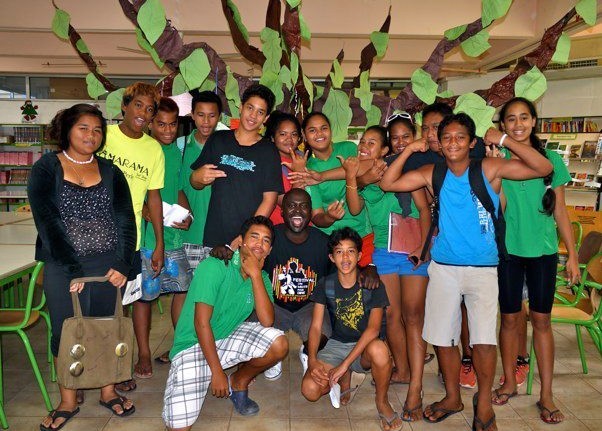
(95, 351)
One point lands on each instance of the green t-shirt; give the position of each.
(529, 232)
(327, 192)
(198, 199)
(379, 205)
(223, 287)
(169, 194)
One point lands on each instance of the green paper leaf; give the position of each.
(60, 23)
(319, 91)
(293, 3)
(337, 76)
(272, 80)
(493, 9)
(148, 48)
(445, 94)
(207, 85)
(305, 33)
(95, 88)
(272, 50)
(587, 10)
(113, 103)
(563, 48)
(454, 33)
(82, 47)
(232, 93)
(238, 20)
(339, 113)
(151, 19)
(195, 68)
(531, 85)
(179, 85)
(363, 93)
(285, 77)
(477, 44)
(423, 86)
(418, 118)
(373, 116)
(380, 41)
(294, 68)
(475, 106)
(309, 86)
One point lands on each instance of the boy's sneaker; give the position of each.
(304, 359)
(520, 372)
(468, 378)
(273, 373)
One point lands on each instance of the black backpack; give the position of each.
(477, 185)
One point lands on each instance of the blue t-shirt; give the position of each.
(466, 233)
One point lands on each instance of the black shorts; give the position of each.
(539, 273)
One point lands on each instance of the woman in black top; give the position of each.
(83, 213)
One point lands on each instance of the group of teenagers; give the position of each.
(280, 239)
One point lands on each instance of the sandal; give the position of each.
(163, 359)
(544, 410)
(446, 413)
(59, 414)
(389, 421)
(356, 381)
(118, 401)
(406, 415)
(127, 386)
(484, 426)
(501, 398)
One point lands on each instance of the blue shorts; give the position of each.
(396, 263)
(175, 276)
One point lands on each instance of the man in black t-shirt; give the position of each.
(299, 259)
(243, 169)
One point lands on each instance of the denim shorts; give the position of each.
(175, 275)
(396, 263)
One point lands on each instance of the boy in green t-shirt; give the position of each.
(206, 111)
(176, 274)
(212, 334)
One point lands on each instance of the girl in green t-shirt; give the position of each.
(534, 209)
(405, 279)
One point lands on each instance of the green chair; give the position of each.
(585, 311)
(16, 320)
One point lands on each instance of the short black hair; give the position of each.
(342, 234)
(462, 119)
(169, 106)
(292, 191)
(437, 108)
(262, 92)
(257, 220)
(206, 97)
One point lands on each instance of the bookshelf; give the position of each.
(570, 125)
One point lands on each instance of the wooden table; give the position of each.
(13, 217)
(18, 234)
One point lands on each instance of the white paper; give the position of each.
(174, 214)
(133, 290)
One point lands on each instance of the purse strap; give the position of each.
(77, 309)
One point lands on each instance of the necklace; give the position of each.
(80, 179)
(77, 162)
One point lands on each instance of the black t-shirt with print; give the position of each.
(251, 171)
(296, 268)
(350, 316)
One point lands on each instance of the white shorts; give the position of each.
(448, 286)
(189, 376)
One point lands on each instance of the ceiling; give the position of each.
(27, 44)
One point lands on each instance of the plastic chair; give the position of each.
(15, 320)
(23, 209)
(585, 312)
(591, 244)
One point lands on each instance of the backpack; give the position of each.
(331, 302)
(477, 185)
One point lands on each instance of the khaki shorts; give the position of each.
(448, 286)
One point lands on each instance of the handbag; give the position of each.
(404, 234)
(95, 351)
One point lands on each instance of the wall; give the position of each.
(10, 110)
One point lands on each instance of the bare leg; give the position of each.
(509, 350)
(247, 371)
(142, 324)
(449, 361)
(465, 334)
(177, 302)
(484, 358)
(67, 403)
(107, 393)
(396, 333)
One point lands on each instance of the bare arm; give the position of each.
(419, 198)
(202, 326)
(334, 212)
(205, 176)
(354, 201)
(155, 209)
(267, 205)
(394, 181)
(566, 234)
(251, 267)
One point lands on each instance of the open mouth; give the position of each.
(297, 221)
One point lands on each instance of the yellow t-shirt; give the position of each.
(141, 161)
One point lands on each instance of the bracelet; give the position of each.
(371, 264)
(501, 144)
(351, 187)
(228, 247)
(191, 216)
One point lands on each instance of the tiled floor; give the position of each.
(282, 405)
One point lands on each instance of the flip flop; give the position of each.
(356, 381)
(118, 401)
(446, 413)
(389, 421)
(408, 412)
(498, 395)
(476, 421)
(428, 357)
(163, 359)
(127, 386)
(543, 410)
(67, 415)
(140, 373)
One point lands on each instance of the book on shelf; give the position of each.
(575, 151)
(568, 125)
(589, 149)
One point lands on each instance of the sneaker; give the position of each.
(273, 373)
(304, 359)
(520, 372)
(468, 378)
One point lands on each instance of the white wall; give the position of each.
(10, 110)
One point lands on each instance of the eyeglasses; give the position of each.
(400, 114)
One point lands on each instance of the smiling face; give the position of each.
(455, 142)
(401, 137)
(430, 126)
(518, 122)
(345, 256)
(85, 136)
(253, 114)
(137, 115)
(296, 210)
(286, 138)
(371, 146)
(317, 134)
(206, 117)
(259, 240)
(165, 127)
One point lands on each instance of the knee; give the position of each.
(393, 315)
(310, 389)
(541, 322)
(413, 316)
(279, 348)
(378, 354)
(511, 322)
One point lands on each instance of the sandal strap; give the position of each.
(484, 425)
